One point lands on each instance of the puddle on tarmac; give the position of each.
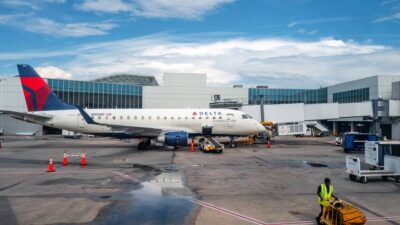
(316, 164)
(153, 202)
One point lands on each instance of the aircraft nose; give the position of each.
(260, 127)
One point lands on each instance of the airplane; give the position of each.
(172, 127)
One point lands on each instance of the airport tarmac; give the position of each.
(120, 185)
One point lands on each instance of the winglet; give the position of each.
(85, 116)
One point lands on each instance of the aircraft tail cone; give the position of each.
(50, 168)
(65, 159)
(83, 159)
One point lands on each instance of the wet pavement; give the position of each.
(151, 202)
(99, 193)
(246, 185)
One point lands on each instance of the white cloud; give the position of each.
(19, 4)
(321, 20)
(181, 9)
(312, 32)
(31, 4)
(33, 23)
(55, 1)
(47, 26)
(53, 72)
(394, 18)
(53, 28)
(275, 62)
(6, 18)
(307, 32)
(108, 6)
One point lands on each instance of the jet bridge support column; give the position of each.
(381, 110)
(334, 128)
(262, 108)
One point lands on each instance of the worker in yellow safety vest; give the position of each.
(324, 193)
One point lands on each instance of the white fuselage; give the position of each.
(223, 121)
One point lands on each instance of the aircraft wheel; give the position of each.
(142, 146)
(364, 180)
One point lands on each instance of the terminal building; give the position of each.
(370, 104)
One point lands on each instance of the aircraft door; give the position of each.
(231, 121)
(81, 121)
(206, 130)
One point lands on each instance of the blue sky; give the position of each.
(273, 42)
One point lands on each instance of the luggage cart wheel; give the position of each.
(384, 178)
(364, 179)
(397, 179)
(352, 177)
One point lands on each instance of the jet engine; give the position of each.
(177, 138)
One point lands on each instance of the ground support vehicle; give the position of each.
(391, 169)
(353, 141)
(375, 152)
(209, 144)
(339, 212)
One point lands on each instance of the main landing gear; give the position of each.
(232, 143)
(143, 145)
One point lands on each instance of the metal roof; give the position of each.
(129, 79)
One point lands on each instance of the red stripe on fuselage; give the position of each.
(39, 87)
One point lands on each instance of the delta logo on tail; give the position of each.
(38, 95)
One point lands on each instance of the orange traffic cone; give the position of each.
(192, 146)
(83, 159)
(65, 160)
(268, 144)
(50, 168)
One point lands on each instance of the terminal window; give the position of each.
(357, 95)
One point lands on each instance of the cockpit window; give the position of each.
(244, 116)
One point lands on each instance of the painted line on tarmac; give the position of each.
(220, 209)
(243, 217)
(126, 176)
(379, 219)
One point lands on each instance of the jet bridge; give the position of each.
(311, 114)
(290, 113)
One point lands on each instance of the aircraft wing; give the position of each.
(133, 131)
(143, 131)
(26, 116)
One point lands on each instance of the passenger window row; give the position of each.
(158, 117)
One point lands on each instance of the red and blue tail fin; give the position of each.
(38, 95)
